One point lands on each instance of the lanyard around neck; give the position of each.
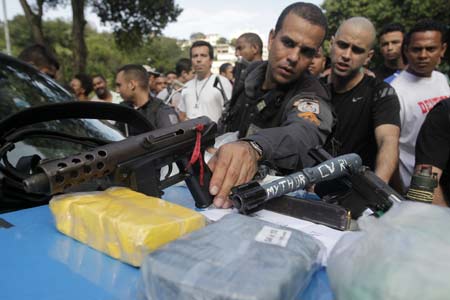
(198, 93)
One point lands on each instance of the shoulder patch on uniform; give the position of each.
(307, 105)
(310, 116)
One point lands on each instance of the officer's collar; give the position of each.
(255, 79)
(150, 98)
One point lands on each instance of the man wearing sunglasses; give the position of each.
(279, 109)
(367, 109)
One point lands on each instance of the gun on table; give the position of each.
(136, 161)
(357, 191)
(248, 196)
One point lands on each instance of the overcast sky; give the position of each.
(226, 18)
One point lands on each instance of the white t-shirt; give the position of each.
(201, 98)
(115, 98)
(417, 96)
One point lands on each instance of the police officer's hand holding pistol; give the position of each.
(233, 164)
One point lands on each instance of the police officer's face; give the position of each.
(391, 45)
(292, 49)
(201, 62)
(350, 50)
(245, 49)
(424, 52)
(124, 87)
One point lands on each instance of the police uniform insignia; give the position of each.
(310, 116)
(261, 105)
(307, 106)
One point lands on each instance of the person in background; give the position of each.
(419, 87)
(184, 72)
(318, 63)
(204, 95)
(170, 77)
(38, 56)
(249, 46)
(152, 75)
(158, 84)
(390, 40)
(102, 93)
(81, 85)
(367, 109)
(226, 70)
(433, 148)
(132, 85)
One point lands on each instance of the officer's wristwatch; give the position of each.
(256, 147)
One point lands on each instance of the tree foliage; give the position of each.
(381, 12)
(198, 36)
(105, 57)
(133, 20)
(222, 40)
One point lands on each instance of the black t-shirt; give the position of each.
(359, 111)
(433, 142)
(382, 72)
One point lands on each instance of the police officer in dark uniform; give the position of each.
(132, 84)
(279, 109)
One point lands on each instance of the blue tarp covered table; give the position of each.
(38, 262)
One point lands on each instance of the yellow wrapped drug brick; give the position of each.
(122, 223)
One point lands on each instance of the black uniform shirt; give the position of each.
(286, 122)
(160, 115)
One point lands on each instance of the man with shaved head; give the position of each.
(367, 108)
(133, 85)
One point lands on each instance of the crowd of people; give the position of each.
(301, 98)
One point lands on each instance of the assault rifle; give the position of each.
(356, 192)
(136, 162)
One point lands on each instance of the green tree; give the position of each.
(222, 40)
(197, 36)
(381, 12)
(20, 34)
(80, 52)
(104, 54)
(133, 20)
(33, 14)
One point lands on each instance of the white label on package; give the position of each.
(274, 236)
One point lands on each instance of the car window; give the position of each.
(21, 87)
